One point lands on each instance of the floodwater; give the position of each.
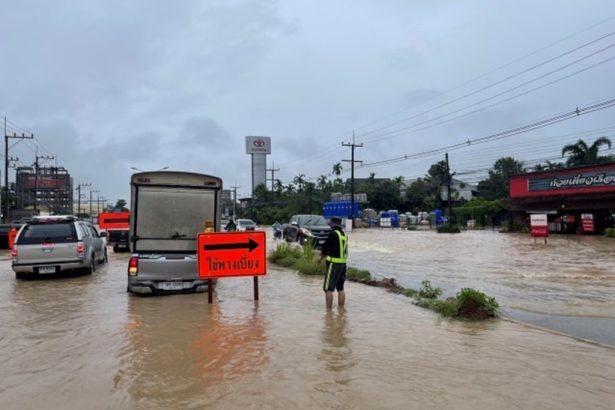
(83, 342)
(567, 284)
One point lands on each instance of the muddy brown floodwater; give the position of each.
(83, 342)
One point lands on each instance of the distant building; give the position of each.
(50, 190)
(459, 190)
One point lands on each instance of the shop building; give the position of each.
(576, 200)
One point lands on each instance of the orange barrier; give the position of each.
(114, 220)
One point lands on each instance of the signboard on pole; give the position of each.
(539, 225)
(587, 223)
(258, 145)
(229, 254)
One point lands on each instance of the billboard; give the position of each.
(258, 145)
(586, 180)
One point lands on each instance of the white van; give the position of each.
(168, 210)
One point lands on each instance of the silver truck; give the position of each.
(53, 244)
(168, 210)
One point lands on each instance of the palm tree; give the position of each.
(322, 182)
(337, 169)
(582, 154)
(299, 180)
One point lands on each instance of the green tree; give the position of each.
(121, 204)
(337, 169)
(496, 185)
(419, 196)
(299, 180)
(583, 154)
(437, 177)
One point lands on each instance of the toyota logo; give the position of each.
(259, 143)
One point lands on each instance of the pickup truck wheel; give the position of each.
(20, 275)
(92, 268)
(106, 257)
(115, 248)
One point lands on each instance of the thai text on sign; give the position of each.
(539, 225)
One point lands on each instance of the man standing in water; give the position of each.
(335, 251)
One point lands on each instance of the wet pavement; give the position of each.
(83, 342)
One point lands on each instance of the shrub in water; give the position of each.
(474, 304)
(609, 233)
(285, 251)
(429, 292)
(357, 274)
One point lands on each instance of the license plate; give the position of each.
(47, 269)
(171, 285)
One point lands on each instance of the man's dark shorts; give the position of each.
(335, 277)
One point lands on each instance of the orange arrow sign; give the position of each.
(224, 254)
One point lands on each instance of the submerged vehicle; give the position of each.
(168, 210)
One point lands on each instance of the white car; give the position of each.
(246, 225)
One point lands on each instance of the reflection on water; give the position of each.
(336, 353)
(85, 343)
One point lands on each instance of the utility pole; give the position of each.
(79, 197)
(36, 176)
(91, 192)
(273, 171)
(352, 161)
(6, 166)
(449, 179)
(234, 189)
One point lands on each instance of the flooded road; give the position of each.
(83, 342)
(567, 284)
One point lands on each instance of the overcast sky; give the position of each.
(109, 85)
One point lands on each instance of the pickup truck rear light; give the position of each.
(14, 254)
(133, 266)
(80, 250)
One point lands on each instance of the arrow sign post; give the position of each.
(228, 254)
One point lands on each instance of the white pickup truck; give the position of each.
(168, 210)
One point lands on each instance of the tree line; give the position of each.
(490, 206)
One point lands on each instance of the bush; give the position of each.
(429, 292)
(449, 229)
(357, 274)
(609, 233)
(285, 251)
(474, 304)
(310, 267)
(446, 307)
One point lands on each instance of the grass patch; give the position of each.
(449, 229)
(357, 275)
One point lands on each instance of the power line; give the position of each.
(504, 134)
(499, 68)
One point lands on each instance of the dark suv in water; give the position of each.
(307, 229)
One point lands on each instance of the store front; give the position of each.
(576, 200)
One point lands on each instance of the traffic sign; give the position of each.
(225, 254)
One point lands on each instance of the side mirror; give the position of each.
(294, 223)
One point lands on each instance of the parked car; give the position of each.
(54, 244)
(246, 225)
(307, 228)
